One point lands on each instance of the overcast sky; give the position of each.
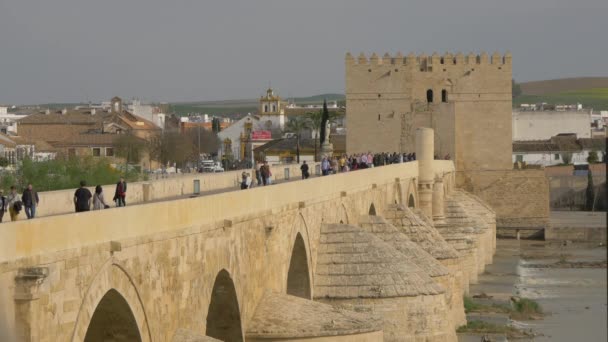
(159, 50)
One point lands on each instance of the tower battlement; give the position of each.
(424, 61)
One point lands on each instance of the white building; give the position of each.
(552, 151)
(8, 121)
(149, 112)
(542, 125)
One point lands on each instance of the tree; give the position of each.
(324, 118)
(129, 147)
(515, 88)
(589, 192)
(296, 125)
(315, 121)
(567, 157)
(180, 148)
(592, 157)
(3, 162)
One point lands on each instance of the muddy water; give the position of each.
(574, 298)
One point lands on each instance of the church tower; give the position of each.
(271, 112)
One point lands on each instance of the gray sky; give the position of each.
(159, 50)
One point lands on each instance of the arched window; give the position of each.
(274, 108)
(444, 95)
(429, 96)
(265, 108)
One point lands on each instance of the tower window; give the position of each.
(265, 108)
(429, 96)
(444, 95)
(441, 60)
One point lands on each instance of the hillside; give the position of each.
(242, 106)
(563, 85)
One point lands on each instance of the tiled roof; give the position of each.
(565, 143)
(87, 140)
(7, 141)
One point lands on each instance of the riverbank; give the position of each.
(567, 280)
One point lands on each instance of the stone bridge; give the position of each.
(377, 254)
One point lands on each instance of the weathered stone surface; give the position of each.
(421, 233)
(353, 263)
(184, 335)
(381, 228)
(285, 317)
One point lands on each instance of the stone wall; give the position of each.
(520, 198)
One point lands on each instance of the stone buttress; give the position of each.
(388, 233)
(282, 317)
(358, 271)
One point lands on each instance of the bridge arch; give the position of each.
(114, 319)
(372, 210)
(298, 276)
(112, 294)
(223, 316)
(412, 198)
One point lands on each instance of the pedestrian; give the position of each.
(248, 180)
(244, 180)
(82, 198)
(121, 193)
(325, 166)
(98, 200)
(3, 204)
(258, 174)
(30, 201)
(304, 169)
(14, 204)
(264, 171)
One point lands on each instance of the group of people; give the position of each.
(345, 163)
(28, 201)
(83, 197)
(263, 176)
(13, 203)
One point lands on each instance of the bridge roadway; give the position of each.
(159, 266)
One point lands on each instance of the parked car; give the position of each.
(211, 166)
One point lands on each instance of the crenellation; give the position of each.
(471, 58)
(362, 59)
(483, 58)
(459, 59)
(496, 58)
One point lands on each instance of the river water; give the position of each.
(575, 299)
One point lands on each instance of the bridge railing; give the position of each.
(62, 232)
(61, 201)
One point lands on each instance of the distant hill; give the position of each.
(224, 107)
(563, 85)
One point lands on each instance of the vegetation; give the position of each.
(482, 327)
(592, 158)
(471, 306)
(296, 125)
(521, 309)
(526, 309)
(62, 174)
(315, 121)
(3, 162)
(596, 98)
(181, 148)
(130, 148)
(515, 88)
(567, 158)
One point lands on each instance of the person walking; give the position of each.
(30, 201)
(258, 173)
(304, 169)
(325, 166)
(121, 193)
(98, 200)
(265, 173)
(14, 203)
(3, 204)
(244, 181)
(82, 198)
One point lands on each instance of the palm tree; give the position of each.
(296, 125)
(315, 120)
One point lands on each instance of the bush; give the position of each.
(62, 174)
(592, 157)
